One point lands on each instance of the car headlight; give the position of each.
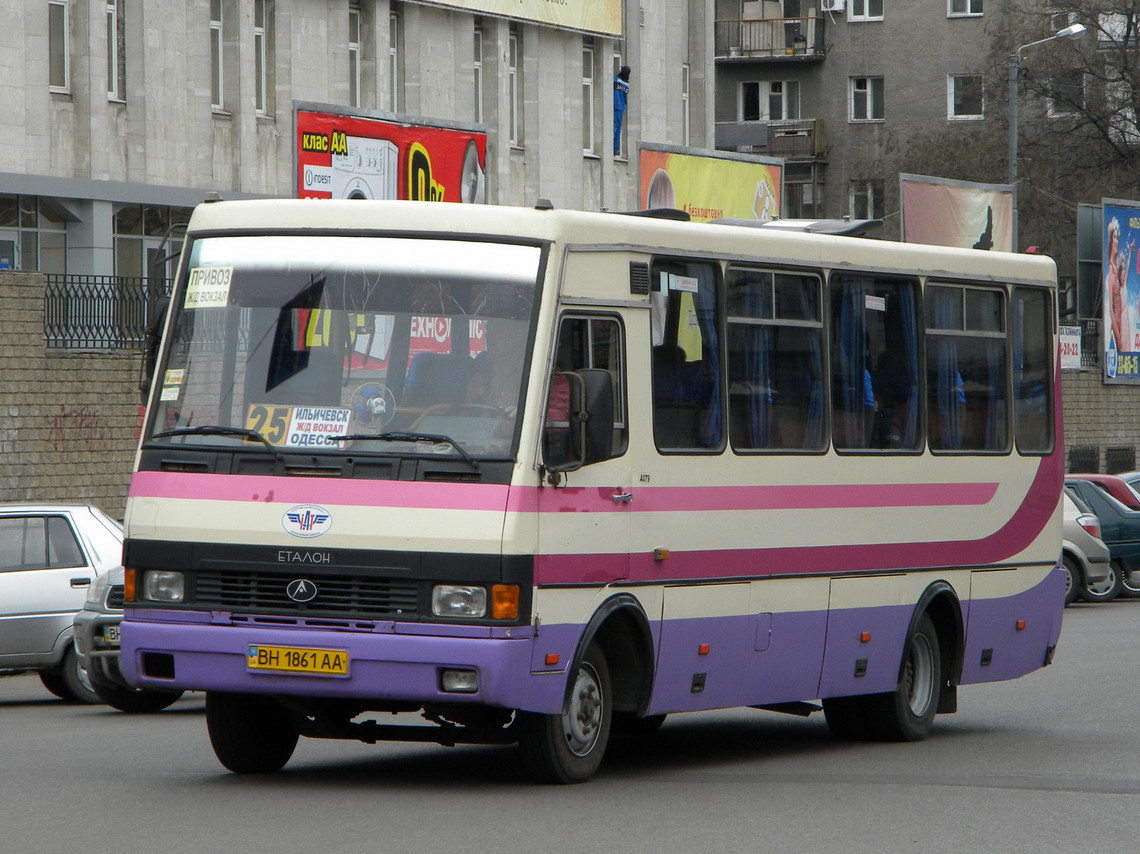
(97, 592)
(458, 600)
(163, 586)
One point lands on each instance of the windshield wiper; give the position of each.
(217, 430)
(411, 436)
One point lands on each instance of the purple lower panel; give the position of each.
(382, 666)
(750, 660)
(992, 632)
(854, 665)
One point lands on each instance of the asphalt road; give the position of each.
(1047, 763)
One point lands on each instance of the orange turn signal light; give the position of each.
(504, 601)
(865, 637)
(552, 659)
(129, 584)
(1021, 625)
(704, 649)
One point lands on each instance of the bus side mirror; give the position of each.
(596, 416)
(579, 420)
(151, 343)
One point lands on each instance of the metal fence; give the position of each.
(99, 312)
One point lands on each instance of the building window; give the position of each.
(1122, 125)
(964, 8)
(395, 89)
(1116, 29)
(115, 55)
(263, 56)
(964, 96)
(59, 47)
(33, 235)
(685, 104)
(148, 239)
(865, 199)
(588, 146)
(217, 97)
(866, 10)
(477, 71)
(1066, 93)
(867, 99)
(769, 100)
(514, 80)
(354, 55)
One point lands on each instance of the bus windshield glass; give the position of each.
(297, 341)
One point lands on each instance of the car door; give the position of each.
(44, 578)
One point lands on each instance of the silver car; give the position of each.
(97, 642)
(1083, 552)
(50, 555)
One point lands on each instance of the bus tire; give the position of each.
(907, 713)
(250, 733)
(568, 747)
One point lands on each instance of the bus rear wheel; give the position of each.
(568, 747)
(250, 733)
(907, 712)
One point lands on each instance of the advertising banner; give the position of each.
(352, 157)
(1120, 266)
(943, 212)
(594, 16)
(709, 187)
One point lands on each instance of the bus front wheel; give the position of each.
(568, 747)
(251, 734)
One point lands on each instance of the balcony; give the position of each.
(794, 140)
(770, 38)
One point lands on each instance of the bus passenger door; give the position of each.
(584, 513)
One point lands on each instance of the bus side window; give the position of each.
(687, 408)
(583, 342)
(1030, 320)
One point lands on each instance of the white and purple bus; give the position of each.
(548, 476)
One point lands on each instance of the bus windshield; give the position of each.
(413, 346)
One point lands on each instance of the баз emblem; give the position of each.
(306, 520)
(301, 590)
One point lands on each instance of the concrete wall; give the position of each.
(68, 420)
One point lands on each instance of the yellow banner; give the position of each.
(709, 188)
(594, 16)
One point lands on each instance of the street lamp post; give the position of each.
(1014, 66)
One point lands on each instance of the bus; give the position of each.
(505, 475)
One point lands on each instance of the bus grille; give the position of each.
(337, 594)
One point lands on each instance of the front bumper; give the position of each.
(386, 665)
(98, 657)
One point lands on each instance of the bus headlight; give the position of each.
(163, 586)
(458, 600)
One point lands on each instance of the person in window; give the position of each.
(621, 98)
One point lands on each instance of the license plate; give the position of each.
(295, 659)
(111, 635)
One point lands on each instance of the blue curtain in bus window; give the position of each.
(851, 368)
(909, 322)
(704, 301)
(948, 393)
(756, 342)
(995, 397)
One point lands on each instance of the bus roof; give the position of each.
(632, 233)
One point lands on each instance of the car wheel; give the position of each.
(1129, 584)
(568, 747)
(53, 681)
(250, 733)
(77, 687)
(134, 700)
(1073, 580)
(1104, 591)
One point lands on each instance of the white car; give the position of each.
(50, 555)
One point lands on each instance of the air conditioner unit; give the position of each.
(833, 5)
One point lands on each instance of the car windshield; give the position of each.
(289, 342)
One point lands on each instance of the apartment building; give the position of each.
(122, 115)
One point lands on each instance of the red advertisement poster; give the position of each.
(349, 157)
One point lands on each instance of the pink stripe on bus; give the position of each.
(294, 490)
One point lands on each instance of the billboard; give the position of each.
(710, 186)
(943, 212)
(594, 16)
(341, 156)
(1120, 269)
